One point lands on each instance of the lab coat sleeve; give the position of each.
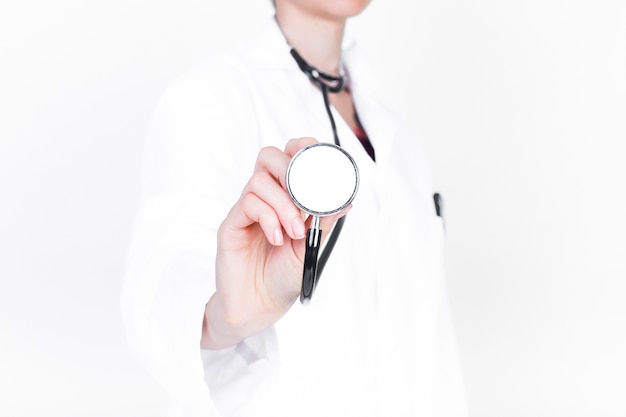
(201, 136)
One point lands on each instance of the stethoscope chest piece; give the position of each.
(322, 179)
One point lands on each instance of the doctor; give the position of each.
(215, 266)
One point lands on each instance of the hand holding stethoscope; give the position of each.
(263, 260)
(261, 247)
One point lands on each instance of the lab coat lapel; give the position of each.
(378, 123)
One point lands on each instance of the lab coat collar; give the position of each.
(270, 51)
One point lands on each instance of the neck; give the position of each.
(317, 38)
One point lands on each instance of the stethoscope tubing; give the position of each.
(312, 266)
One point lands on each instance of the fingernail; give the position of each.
(278, 237)
(297, 225)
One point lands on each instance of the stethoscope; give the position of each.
(322, 179)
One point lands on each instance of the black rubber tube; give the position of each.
(309, 273)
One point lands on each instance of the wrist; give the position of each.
(226, 324)
(220, 329)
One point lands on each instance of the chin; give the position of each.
(348, 8)
(334, 9)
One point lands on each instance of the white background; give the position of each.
(520, 105)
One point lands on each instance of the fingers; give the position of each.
(275, 161)
(250, 210)
(266, 188)
(294, 145)
(264, 199)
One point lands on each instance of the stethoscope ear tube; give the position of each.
(309, 272)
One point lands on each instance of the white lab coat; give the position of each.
(376, 339)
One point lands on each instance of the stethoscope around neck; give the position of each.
(322, 179)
